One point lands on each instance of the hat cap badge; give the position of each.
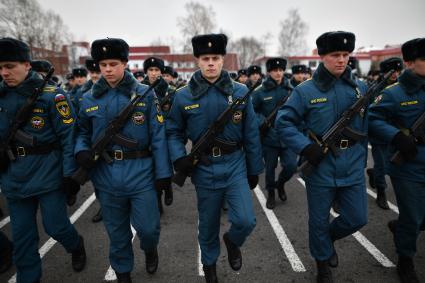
(277, 62)
(104, 48)
(345, 41)
(152, 59)
(209, 44)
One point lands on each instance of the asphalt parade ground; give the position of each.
(276, 251)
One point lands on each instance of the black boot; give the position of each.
(159, 197)
(97, 217)
(152, 260)
(335, 206)
(392, 225)
(210, 273)
(281, 190)
(381, 198)
(271, 203)
(406, 270)
(324, 273)
(1, 213)
(233, 253)
(6, 256)
(333, 260)
(371, 175)
(168, 196)
(79, 256)
(123, 277)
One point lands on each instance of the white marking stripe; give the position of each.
(391, 205)
(110, 274)
(371, 248)
(4, 222)
(284, 241)
(50, 243)
(200, 270)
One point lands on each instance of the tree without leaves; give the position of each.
(292, 34)
(248, 49)
(199, 20)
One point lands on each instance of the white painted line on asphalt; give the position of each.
(110, 274)
(50, 243)
(371, 248)
(369, 146)
(200, 269)
(4, 222)
(284, 241)
(391, 205)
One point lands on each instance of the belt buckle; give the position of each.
(21, 151)
(216, 151)
(118, 155)
(343, 144)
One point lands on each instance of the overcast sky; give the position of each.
(139, 22)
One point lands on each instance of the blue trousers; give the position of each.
(240, 213)
(141, 210)
(288, 162)
(410, 201)
(380, 164)
(23, 218)
(353, 208)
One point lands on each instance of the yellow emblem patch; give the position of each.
(141, 104)
(38, 110)
(268, 98)
(138, 118)
(37, 122)
(407, 103)
(94, 108)
(62, 106)
(68, 121)
(237, 117)
(190, 107)
(160, 118)
(318, 100)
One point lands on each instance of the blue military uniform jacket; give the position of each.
(145, 125)
(398, 107)
(162, 90)
(319, 103)
(52, 122)
(264, 99)
(198, 105)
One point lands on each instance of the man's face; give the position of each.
(394, 76)
(168, 78)
(211, 66)
(112, 70)
(254, 77)
(299, 77)
(417, 66)
(80, 80)
(14, 73)
(243, 79)
(153, 74)
(94, 76)
(140, 78)
(336, 62)
(277, 75)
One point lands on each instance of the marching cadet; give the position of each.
(139, 75)
(242, 76)
(231, 165)
(379, 148)
(255, 74)
(271, 94)
(391, 117)
(168, 75)
(317, 104)
(70, 82)
(153, 68)
(80, 78)
(40, 174)
(125, 187)
(298, 74)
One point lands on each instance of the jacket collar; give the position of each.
(126, 86)
(87, 86)
(324, 80)
(26, 88)
(270, 84)
(199, 86)
(411, 82)
(160, 89)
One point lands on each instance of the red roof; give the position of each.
(150, 49)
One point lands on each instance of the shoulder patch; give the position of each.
(93, 108)
(49, 89)
(319, 100)
(193, 106)
(408, 103)
(390, 86)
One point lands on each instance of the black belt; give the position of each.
(35, 150)
(121, 155)
(221, 147)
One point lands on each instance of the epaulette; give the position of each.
(304, 81)
(50, 89)
(180, 88)
(392, 85)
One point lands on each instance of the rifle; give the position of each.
(269, 121)
(341, 127)
(167, 99)
(207, 139)
(418, 131)
(111, 133)
(22, 116)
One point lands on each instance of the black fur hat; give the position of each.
(274, 63)
(139, 74)
(335, 41)
(253, 69)
(353, 62)
(209, 44)
(393, 63)
(92, 65)
(413, 49)
(175, 74)
(79, 72)
(69, 76)
(14, 50)
(296, 69)
(242, 72)
(153, 62)
(109, 48)
(42, 66)
(168, 70)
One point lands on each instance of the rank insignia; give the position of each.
(138, 118)
(160, 118)
(37, 122)
(237, 117)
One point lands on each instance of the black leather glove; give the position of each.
(71, 188)
(252, 181)
(162, 184)
(184, 165)
(4, 161)
(406, 145)
(314, 154)
(85, 159)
